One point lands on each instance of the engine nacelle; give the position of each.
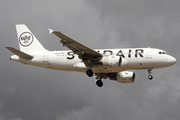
(123, 62)
(114, 61)
(124, 77)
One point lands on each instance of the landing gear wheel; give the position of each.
(149, 72)
(99, 83)
(150, 77)
(89, 73)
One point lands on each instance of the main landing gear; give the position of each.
(89, 73)
(150, 76)
(99, 83)
(99, 77)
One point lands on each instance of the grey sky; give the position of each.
(28, 92)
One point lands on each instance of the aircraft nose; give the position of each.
(172, 60)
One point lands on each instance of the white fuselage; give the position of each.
(133, 58)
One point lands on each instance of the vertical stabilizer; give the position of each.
(27, 41)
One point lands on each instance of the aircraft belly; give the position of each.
(103, 69)
(97, 69)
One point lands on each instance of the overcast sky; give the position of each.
(32, 93)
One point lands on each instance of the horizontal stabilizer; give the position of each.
(19, 53)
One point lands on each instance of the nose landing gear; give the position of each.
(150, 76)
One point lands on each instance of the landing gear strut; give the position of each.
(99, 83)
(150, 76)
(89, 73)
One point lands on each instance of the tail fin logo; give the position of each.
(25, 39)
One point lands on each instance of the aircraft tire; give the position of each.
(150, 77)
(89, 73)
(99, 83)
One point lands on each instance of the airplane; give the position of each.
(100, 63)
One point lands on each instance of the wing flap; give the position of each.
(19, 53)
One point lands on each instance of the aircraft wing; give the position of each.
(84, 52)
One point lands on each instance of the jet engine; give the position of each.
(114, 61)
(124, 77)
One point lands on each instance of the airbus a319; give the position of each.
(100, 63)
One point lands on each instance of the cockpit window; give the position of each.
(162, 52)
